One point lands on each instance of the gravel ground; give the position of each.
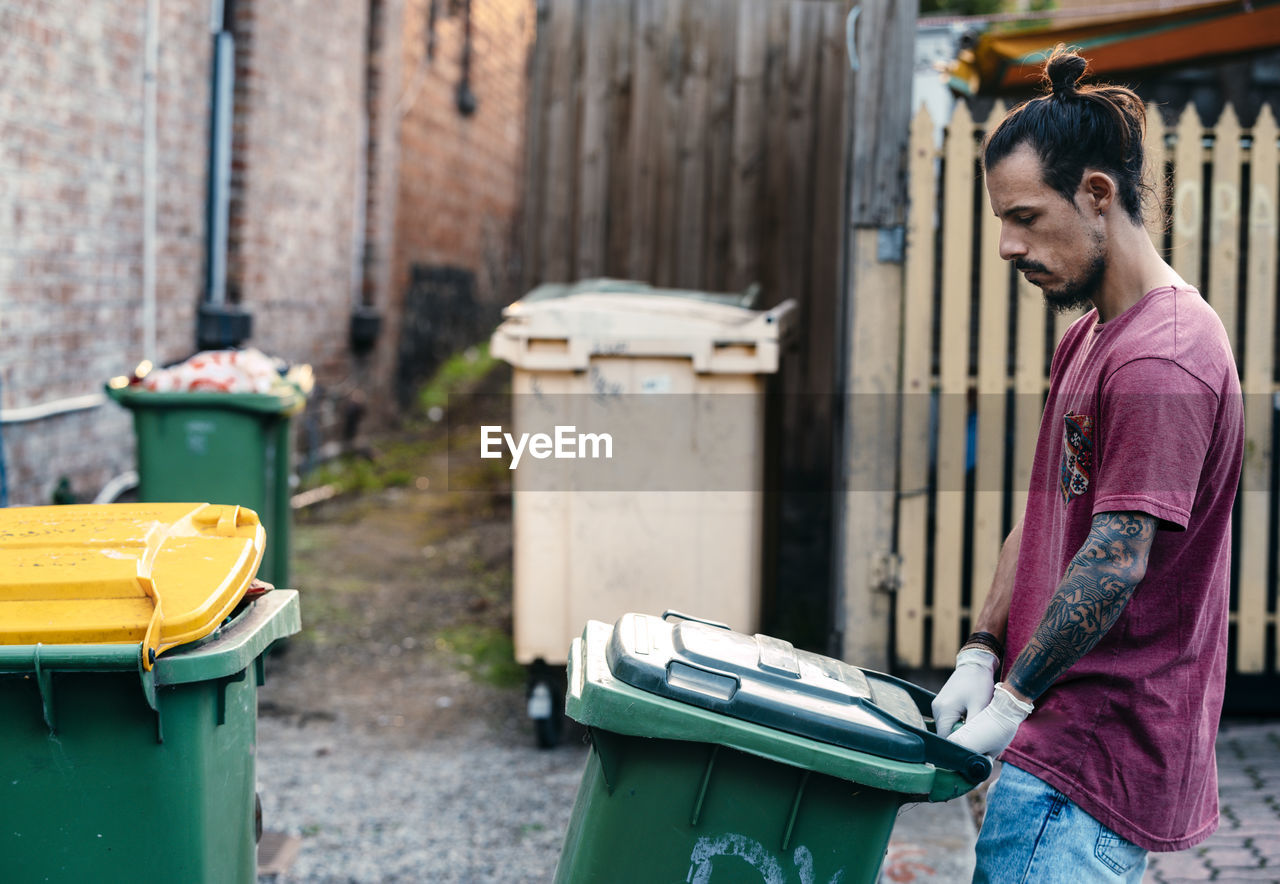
(471, 807)
(392, 737)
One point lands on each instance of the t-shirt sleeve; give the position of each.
(1156, 427)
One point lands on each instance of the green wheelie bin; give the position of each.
(132, 645)
(719, 756)
(228, 448)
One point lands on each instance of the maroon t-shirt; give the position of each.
(1144, 413)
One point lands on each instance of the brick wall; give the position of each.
(323, 215)
(182, 135)
(71, 197)
(294, 244)
(296, 162)
(71, 227)
(459, 180)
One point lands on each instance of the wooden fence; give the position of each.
(696, 144)
(702, 144)
(976, 347)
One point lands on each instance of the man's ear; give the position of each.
(1097, 192)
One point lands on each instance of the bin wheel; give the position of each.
(546, 706)
(548, 732)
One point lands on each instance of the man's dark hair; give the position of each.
(1073, 127)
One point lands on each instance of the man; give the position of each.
(1111, 594)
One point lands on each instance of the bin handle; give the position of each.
(669, 613)
(973, 766)
(781, 312)
(43, 661)
(150, 638)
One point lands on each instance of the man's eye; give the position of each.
(1025, 220)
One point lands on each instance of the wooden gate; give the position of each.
(977, 342)
(691, 144)
(701, 144)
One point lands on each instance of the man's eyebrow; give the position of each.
(1015, 210)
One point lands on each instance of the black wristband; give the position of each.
(988, 641)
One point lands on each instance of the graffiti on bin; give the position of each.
(756, 855)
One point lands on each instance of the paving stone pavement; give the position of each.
(1246, 847)
(931, 842)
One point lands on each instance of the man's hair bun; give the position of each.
(1074, 126)
(1063, 70)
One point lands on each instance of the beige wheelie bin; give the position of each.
(640, 485)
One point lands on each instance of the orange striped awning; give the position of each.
(1005, 60)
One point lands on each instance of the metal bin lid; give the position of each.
(769, 682)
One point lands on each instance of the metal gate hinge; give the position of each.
(891, 245)
(886, 572)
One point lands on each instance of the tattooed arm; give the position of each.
(1097, 586)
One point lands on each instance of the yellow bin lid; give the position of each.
(156, 574)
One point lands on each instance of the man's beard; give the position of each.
(1074, 293)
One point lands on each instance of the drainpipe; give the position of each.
(30, 413)
(150, 63)
(464, 97)
(359, 219)
(4, 473)
(220, 324)
(366, 321)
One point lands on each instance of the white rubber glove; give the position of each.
(968, 690)
(991, 730)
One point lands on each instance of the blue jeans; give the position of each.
(1033, 833)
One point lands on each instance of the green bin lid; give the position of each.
(772, 689)
(286, 400)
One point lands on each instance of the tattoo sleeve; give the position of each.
(1098, 584)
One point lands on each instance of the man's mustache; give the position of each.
(1029, 266)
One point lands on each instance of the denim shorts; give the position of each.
(1033, 833)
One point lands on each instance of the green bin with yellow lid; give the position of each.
(132, 645)
(221, 447)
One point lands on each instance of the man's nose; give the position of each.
(1011, 246)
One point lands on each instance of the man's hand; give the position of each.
(991, 730)
(968, 690)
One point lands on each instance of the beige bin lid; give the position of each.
(564, 333)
